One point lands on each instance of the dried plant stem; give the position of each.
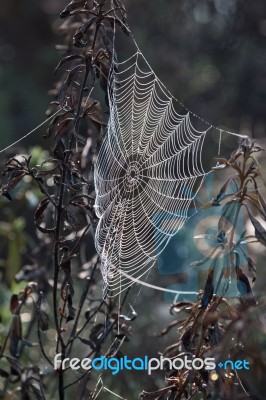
(58, 227)
(57, 235)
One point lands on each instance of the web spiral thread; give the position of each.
(147, 175)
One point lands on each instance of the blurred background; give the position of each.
(211, 54)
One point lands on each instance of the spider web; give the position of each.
(148, 173)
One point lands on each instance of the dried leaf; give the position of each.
(228, 216)
(186, 337)
(88, 342)
(80, 38)
(74, 5)
(68, 59)
(262, 202)
(54, 123)
(39, 216)
(67, 284)
(207, 258)
(211, 317)
(252, 268)
(208, 289)
(85, 208)
(62, 128)
(7, 195)
(243, 284)
(12, 181)
(180, 306)
(260, 232)
(72, 73)
(14, 303)
(3, 373)
(43, 320)
(169, 327)
(256, 204)
(41, 208)
(125, 318)
(224, 188)
(96, 332)
(71, 309)
(15, 335)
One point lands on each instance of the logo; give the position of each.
(116, 365)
